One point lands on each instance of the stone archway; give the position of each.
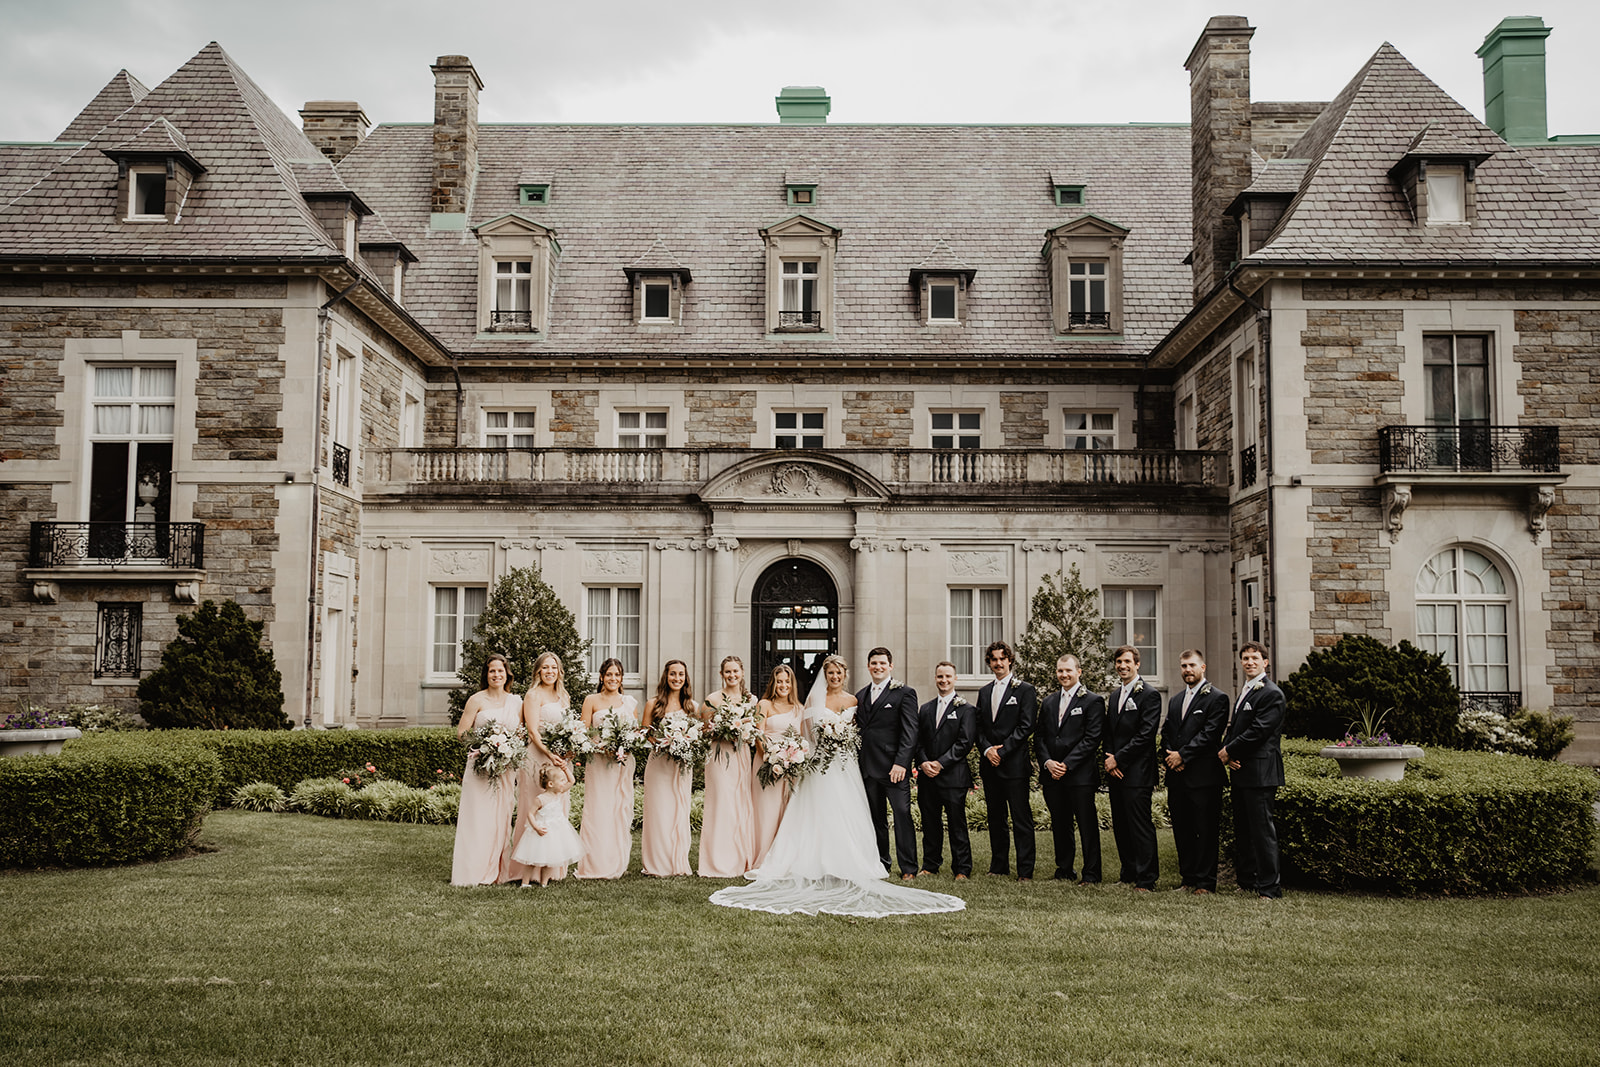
(794, 619)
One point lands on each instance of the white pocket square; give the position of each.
(1245, 707)
(1075, 711)
(1010, 702)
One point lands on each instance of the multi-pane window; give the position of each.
(957, 429)
(1464, 615)
(1133, 617)
(455, 619)
(613, 626)
(1248, 421)
(508, 429)
(513, 294)
(798, 429)
(975, 623)
(942, 301)
(1457, 369)
(1087, 282)
(641, 429)
(1091, 429)
(800, 306)
(130, 443)
(118, 632)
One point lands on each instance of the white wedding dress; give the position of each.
(825, 855)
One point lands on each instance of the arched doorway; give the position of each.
(794, 615)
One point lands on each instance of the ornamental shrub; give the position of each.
(215, 675)
(89, 808)
(1547, 732)
(328, 797)
(260, 796)
(1331, 687)
(1063, 617)
(523, 619)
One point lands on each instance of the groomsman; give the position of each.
(1007, 709)
(1196, 719)
(886, 715)
(1133, 717)
(1068, 746)
(1251, 750)
(946, 731)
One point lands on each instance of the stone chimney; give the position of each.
(803, 105)
(1513, 80)
(1219, 130)
(455, 139)
(334, 126)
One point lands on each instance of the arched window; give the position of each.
(1464, 613)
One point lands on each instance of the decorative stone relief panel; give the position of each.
(459, 563)
(1132, 564)
(977, 564)
(612, 564)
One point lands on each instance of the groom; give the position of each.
(886, 715)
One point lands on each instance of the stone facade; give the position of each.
(877, 418)
(720, 417)
(1352, 371)
(1022, 419)
(574, 421)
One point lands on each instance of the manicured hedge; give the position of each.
(286, 758)
(99, 806)
(1460, 822)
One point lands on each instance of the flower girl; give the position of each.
(554, 844)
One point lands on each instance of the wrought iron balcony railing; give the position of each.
(180, 545)
(1099, 320)
(341, 464)
(1247, 467)
(1469, 449)
(1505, 704)
(800, 320)
(511, 321)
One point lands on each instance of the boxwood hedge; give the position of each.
(99, 806)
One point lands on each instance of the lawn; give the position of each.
(316, 941)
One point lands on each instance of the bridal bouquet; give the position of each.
(566, 739)
(737, 724)
(619, 738)
(786, 758)
(836, 735)
(679, 736)
(497, 749)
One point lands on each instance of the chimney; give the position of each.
(803, 105)
(455, 139)
(1513, 80)
(1219, 131)
(334, 126)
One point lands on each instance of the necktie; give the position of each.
(999, 698)
(938, 719)
(1188, 697)
(1066, 699)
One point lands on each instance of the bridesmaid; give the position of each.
(607, 832)
(547, 701)
(483, 829)
(780, 709)
(727, 825)
(664, 842)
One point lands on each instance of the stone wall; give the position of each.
(1022, 420)
(877, 418)
(1349, 558)
(723, 417)
(1352, 371)
(575, 422)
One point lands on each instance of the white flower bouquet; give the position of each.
(837, 734)
(784, 758)
(567, 739)
(496, 749)
(619, 738)
(679, 736)
(736, 724)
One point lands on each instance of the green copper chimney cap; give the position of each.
(1513, 79)
(806, 105)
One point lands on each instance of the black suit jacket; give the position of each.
(1254, 737)
(1075, 741)
(1197, 736)
(948, 744)
(1131, 734)
(1010, 728)
(888, 729)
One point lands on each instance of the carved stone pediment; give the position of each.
(786, 480)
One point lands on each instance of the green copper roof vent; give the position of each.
(808, 105)
(1513, 79)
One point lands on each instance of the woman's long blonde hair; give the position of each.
(561, 676)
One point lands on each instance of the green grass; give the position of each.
(318, 941)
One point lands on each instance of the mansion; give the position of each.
(1288, 372)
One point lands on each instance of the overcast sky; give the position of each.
(724, 60)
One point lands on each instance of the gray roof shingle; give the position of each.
(120, 93)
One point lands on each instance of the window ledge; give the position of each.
(1090, 335)
(507, 335)
(783, 334)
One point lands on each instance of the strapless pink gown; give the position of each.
(483, 828)
(664, 841)
(767, 804)
(607, 832)
(727, 825)
(528, 800)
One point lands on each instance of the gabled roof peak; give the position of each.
(120, 93)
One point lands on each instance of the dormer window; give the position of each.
(1446, 195)
(515, 262)
(536, 194)
(1087, 295)
(154, 173)
(513, 296)
(147, 189)
(1438, 175)
(800, 307)
(800, 275)
(1086, 275)
(658, 298)
(1069, 196)
(802, 195)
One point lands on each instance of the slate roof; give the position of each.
(706, 191)
(119, 94)
(1349, 208)
(1575, 166)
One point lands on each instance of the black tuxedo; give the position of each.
(1072, 736)
(1253, 739)
(1005, 787)
(1131, 726)
(944, 798)
(888, 739)
(1194, 791)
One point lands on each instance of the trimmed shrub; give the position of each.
(259, 796)
(95, 808)
(1334, 684)
(328, 797)
(215, 675)
(443, 803)
(523, 619)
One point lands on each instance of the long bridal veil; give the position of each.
(825, 856)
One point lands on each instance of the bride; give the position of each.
(825, 856)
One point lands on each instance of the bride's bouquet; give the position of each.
(496, 749)
(737, 724)
(619, 738)
(679, 736)
(837, 735)
(786, 758)
(566, 739)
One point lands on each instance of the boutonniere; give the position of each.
(1138, 687)
(895, 685)
(1205, 690)
(958, 703)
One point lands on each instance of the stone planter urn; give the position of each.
(37, 742)
(1385, 763)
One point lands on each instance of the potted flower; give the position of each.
(1367, 750)
(31, 732)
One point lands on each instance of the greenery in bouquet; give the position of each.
(736, 724)
(496, 749)
(679, 736)
(619, 738)
(567, 739)
(836, 735)
(784, 758)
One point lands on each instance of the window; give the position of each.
(411, 422)
(516, 260)
(455, 618)
(1091, 429)
(1456, 399)
(800, 294)
(1250, 609)
(941, 301)
(641, 429)
(513, 295)
(533, 194)
(118, 631)
(1086, 275)
(800, 254)
(130, 444)
(1069, 196)
(147, 193)
(798, 429)
(1464, 615)
(657, 302)
(802, 195)
(1248, 421)
(1188, 428)
(613, 627)
(957, 429)
(1447, 194)
(508, 429)
(1132, 614)
(1090, 306)
(975, 623)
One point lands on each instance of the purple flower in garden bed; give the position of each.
(1359, 740)
(31, 718)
